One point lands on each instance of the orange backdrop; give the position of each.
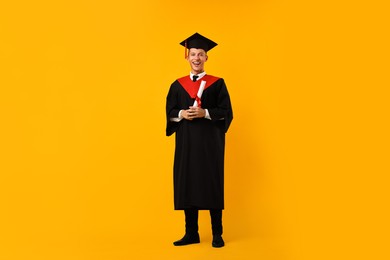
(86, 169)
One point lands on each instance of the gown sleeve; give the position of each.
(172, 110)
(224, 108)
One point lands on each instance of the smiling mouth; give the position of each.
(196, 63)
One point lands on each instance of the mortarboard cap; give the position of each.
(199, 42)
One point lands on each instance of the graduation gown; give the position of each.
(200, 143)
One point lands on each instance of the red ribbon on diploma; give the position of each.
(199, 101)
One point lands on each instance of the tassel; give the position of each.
(185, 50)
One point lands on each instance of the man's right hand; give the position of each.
(186, 115)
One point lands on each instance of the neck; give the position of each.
(197, 72)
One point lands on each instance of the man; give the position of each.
(200, 141)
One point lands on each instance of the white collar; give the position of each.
(200, 75)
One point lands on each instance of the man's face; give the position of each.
(197, 58)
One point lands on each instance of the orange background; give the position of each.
(86, 169)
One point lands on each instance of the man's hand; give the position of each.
(193, 112)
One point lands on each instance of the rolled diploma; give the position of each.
(200, 92)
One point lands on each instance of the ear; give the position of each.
(207, 57)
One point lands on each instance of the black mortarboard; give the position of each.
(199, 42)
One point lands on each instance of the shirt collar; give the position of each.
(201, 75)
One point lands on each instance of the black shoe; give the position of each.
(187, 240)
(218, 241)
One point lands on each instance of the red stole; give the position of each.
(193, 87)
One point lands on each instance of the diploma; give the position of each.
(200, 92)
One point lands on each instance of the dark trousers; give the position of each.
(191, 217)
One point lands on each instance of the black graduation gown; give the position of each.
(200, 143)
